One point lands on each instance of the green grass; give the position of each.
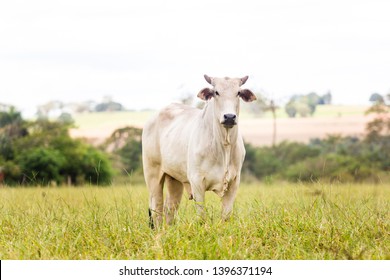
(284, 221)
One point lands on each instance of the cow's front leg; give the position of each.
(228, 200)
(198, 192)
(200, 205)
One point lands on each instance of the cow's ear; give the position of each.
(247, 95)
(206, 94)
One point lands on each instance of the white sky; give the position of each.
(146, 53)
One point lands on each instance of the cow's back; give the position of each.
(165, 139)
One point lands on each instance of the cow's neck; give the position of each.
(224, 141)
(227, 136)
(227, 142)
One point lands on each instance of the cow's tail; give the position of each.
(151, 223)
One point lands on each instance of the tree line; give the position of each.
(42, 152)
(333, 159)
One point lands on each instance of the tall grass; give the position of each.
(286, 221)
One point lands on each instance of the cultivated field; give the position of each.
(284, 221)
(343, 120)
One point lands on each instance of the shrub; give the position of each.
(332, 167)
(265, 161)
(41, 166)
(12, 171)
(335, 158)
(46, 153)
(96, 167)
(125, 147)
(131, 155)
(6, 148)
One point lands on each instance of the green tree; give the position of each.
(41, 166)
(125, 145)
(46, 153)
(11, 123)
(305, 105)
(380, 124)
(376, 98)
(290, 109)
(96, 167)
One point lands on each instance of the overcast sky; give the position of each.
(147, 53)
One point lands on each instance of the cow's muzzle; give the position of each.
(229, 120)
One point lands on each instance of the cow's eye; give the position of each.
(217, 93)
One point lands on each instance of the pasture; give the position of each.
(328, 119)
(270, 221)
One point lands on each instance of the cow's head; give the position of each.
(226, 93)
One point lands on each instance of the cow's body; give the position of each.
(199, 150)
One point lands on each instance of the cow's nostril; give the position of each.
(230, 117)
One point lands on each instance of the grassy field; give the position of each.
(284, 221)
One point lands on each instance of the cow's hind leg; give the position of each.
(172, 201)
(155, 182)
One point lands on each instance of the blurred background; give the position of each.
(80, 78)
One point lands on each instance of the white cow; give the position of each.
(200, 150)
